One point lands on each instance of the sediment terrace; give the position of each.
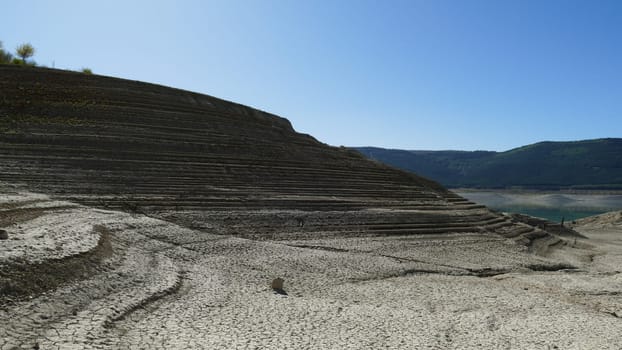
(132, 146)
(140, 216)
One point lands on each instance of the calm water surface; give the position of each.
(552, 206)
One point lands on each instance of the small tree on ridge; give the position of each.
(25, 51)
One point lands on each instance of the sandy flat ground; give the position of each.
(150, 284)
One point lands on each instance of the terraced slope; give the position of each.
(206, 163)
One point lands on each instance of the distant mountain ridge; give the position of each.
(586, 164)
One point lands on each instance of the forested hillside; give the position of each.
(589, 164)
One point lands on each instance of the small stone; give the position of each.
(4, 235)
(277, 286)
(277, 283)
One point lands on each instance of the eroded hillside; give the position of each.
(207, 163)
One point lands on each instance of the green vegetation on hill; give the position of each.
(25, 51)
(589, 164)
(5, 57)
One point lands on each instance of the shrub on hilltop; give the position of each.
(5, 57)
(25, 51)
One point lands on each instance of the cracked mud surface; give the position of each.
(145, 283)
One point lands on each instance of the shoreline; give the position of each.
(551, 205)
(536, 191)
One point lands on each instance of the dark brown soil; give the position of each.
(207, 163)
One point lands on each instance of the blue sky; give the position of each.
(431, 74)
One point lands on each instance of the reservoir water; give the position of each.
(552, 206)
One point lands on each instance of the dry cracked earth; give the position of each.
(75, 277)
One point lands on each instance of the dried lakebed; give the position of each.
(73, 277)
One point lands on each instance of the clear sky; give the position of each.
(431, 74)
